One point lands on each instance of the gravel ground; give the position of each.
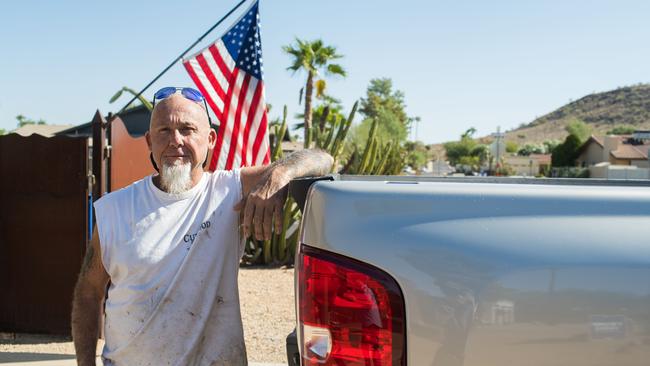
(268, 315)
(268, 312)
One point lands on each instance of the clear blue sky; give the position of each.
(460, 64)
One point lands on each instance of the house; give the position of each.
(617, 157)
(438, 168)
(43, 130)
(631, 150)
(136, 121)
(500, 312)
(528, 166)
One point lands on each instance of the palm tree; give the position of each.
(312, 57)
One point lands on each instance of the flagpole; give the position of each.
(181, 56)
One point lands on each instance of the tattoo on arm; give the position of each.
(308, 162)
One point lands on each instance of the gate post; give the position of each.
(99, 155)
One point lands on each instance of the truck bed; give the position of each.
(500, 271)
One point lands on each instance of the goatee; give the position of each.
(176, 178)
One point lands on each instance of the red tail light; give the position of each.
(350, 313)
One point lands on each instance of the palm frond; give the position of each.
(336, 69)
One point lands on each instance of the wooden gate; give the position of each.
(129, 159)
(43, 229)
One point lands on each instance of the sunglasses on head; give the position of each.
(189, 93)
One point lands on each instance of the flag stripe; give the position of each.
(248, 113)
(223, 78)
(254, 135)
(222, 127)
(254, 116)
(216, 86)
(206, 91)
(262, 134)
(216, 55)
(229, 116)
(236, 141)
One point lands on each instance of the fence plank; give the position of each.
(43, 225)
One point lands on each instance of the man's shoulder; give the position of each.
(124, 192)
(225, 179)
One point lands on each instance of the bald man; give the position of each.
(171, 243)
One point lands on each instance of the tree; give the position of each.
(469, 133)
(511, 147)
(22, 121)
(312, 57)
(579, 129)
(550, 145)
(456, 150)
(528, 149)
(381, 98)
(417, 154)
(566, 153)
(2, 131)
(385, 105)
(482, 152)
(467, 151)
(389, 128)
(621, 130)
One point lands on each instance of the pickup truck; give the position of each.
(476, 271)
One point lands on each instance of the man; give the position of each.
(170, 245)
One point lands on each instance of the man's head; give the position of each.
(179, 138)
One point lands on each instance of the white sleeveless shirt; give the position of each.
(173, 262)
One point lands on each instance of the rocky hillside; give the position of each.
(602, 111)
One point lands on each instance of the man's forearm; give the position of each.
(85, 326)
(304, 163)
(265, 189)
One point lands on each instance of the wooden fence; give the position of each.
(43, 230)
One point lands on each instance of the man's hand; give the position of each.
(263, 204)
(265, 189)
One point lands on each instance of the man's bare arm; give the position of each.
(265, 188)
(87, 303)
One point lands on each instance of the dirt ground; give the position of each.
(267, 306)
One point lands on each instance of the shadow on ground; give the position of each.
(7, 357)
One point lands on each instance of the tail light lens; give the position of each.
(350, 313)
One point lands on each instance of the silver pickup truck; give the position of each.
(446, 272)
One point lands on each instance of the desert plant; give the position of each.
(142, 99)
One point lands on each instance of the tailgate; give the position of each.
(495, 274)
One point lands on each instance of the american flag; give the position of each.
(229, 74)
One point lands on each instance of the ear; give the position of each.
(148, 138)
(212, 139)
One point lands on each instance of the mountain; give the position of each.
(629, 106)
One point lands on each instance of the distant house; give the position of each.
(438, 168)
(631, 150)
(135, 119)
(43, 130)
(528, 166)
(617, 157)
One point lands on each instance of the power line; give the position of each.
(181, 55)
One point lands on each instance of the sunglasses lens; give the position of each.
(192, 94)
(164, 92)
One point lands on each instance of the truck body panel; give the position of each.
(501, 273)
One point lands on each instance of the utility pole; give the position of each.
(498, 135)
